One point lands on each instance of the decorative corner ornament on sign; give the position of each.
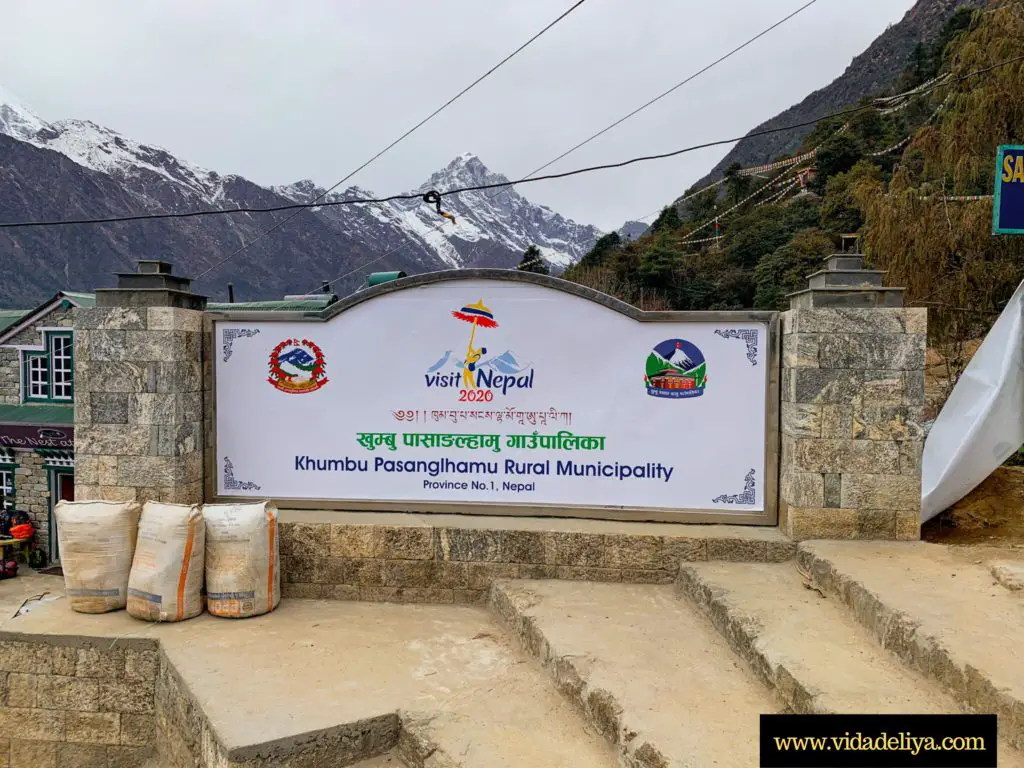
(297, 366)
(231, 334)
(749, 335)
(231, 484)
(748, 496)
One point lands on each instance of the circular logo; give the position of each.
(297, 366)
(676, 369)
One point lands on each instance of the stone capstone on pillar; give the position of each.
(852, 409)
(139, 407)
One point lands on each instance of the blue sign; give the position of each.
(1008, 210)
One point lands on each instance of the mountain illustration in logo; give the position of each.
(507, 363)
(676, 369)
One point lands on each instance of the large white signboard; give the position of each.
(494, 392)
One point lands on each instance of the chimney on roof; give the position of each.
(231, 293)
(152, 284)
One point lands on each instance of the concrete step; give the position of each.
(644, 668)
(940, 611)
(846, 278)
(844, 261)
(792, 636)
(847, 298)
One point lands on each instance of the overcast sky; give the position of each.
(280, 91)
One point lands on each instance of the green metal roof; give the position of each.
(31, 413)
(305, 305)
(9, 317)
(87, 300)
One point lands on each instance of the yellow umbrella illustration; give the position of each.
(479, 315)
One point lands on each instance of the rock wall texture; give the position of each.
(139, 404)
(76, 706)
(852, 423)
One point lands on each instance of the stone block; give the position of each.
(32, 724)
(841, 456)
(67, 693)
(896, 352)
(884, 387)
(107, 466)
(109, 318)
(137, 730)
(881, 491)
(155, 346)
(737, 550)
(913, 387)
(397, 542)
(173, 319)
(801, 420)
(33, 754)
(93, 727)
(586, 573)
(65, 660)
(889, 422)
(469, 596)
(88, 493)
(149, 471)
(535, 571)
(469, 544)
(408, 573)
(833, 491)
(131, 696)
(87, 470)
(99, 376)
(81, 756)
(684, 549)
(916, 320)
(97, 663)
(365, 572)
(634, 552)
(116, 440)
(908, 526)
(837, 421)
(128, 757)
(849, 321)
(189, 407)
(801, 350)
(523, 547)
(33, 658)
(174, 377)
(803, 524)
(304, 569)
(151, 408)
(481, 575)
(843, 350)
(108, 407)
(179, 440)
(105, 346)
(340, 592)
(803, 489)
(580, 550)
(639, 576)
(911, 454)
(21, 690)
(406, 595)
(814, 385)
(305, 539)
(115, 493)
(302, 591)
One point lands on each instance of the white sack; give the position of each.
(166, 580)
(96, 541)
(243, 566)
(982, 422)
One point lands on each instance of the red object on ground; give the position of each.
(23, 531)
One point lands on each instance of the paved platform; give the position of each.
(938, 609)
(267, 684)
(646, 669)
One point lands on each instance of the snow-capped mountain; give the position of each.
(55, 170)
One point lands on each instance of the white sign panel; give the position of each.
(494, 392)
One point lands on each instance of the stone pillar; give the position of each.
(852, 402)
(139, 390)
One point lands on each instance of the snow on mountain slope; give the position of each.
(491, 229)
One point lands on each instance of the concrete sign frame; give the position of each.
(1008, 203)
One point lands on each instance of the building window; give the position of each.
(7, 484)
(49, 375)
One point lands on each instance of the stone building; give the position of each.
(37, 412)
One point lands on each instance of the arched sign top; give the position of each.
(500, 391)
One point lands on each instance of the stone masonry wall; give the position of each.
(76, 706)
(32, 493)
(428, 564)
(852, 435)
(10, 359)
(139, 404)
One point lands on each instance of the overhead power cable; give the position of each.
(401, 138)
(496, 185)
(671, 90)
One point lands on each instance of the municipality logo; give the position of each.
(477, 376)
(297, 366)
(676, 369)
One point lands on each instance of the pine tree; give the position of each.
(532, 261)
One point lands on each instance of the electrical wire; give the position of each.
(496, 185)
(401, 138)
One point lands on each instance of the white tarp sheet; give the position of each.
(982, 423)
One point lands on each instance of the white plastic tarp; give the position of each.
(982, 422)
